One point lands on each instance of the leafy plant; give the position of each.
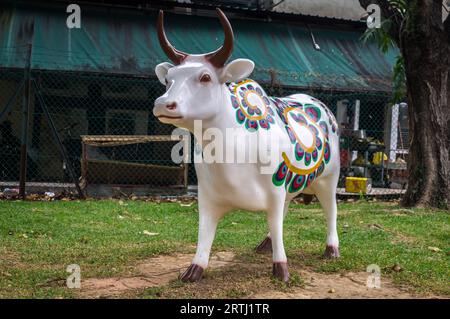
(382, 37)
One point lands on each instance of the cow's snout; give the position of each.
(171, 106)
(166, 109)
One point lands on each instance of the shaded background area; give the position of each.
(99, 80)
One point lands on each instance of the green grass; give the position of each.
(39, 239)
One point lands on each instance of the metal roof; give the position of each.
(125, 42)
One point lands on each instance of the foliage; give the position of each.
(399, 80)
(385, 42)
(380, 36)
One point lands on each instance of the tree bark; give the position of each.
(426, 50)
(424, 42)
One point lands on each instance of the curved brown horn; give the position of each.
(220, 56)
(173, 54)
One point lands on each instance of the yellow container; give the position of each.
(378, 156)
(358, 185)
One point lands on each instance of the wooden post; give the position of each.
(25, 121)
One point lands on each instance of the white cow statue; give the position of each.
(203, 87)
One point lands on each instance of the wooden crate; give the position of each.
(125, 173)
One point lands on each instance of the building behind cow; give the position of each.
(99, 80)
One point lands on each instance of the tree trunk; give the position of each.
(426, 49)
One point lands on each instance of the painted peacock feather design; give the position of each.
(307, 125)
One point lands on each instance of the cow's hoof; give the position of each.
(307, 199)
(193, 273)
(280, 271)
(265, 246)
(331, 252)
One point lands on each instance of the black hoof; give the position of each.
(331, 252)
(265, 246)
(192, 274)
(307, 199)
(280, 271)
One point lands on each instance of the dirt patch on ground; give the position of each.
(236, 280)
(153, 272)
(349, 285)
(10, 259)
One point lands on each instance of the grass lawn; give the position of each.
(39, 239)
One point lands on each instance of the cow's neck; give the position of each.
(223, 120)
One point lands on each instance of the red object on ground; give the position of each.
(344, 156)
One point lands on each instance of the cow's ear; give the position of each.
(161, 71)
(236, 70)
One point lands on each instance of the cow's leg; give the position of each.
(275, 220)
(208, 221)
(327, 199)
(266, 245)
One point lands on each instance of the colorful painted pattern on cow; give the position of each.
(307, 128)
(252, 105)
(307, 125)
(331, 119)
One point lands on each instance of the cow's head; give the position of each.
(195, 82)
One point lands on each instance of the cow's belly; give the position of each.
(306, 150)
(237, 186)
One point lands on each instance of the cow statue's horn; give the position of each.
(220, 56)
(173, 54)
(216, 58)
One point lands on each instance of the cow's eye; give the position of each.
(205, 78)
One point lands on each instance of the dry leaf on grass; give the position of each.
(187, 205)
(397, 268)
(146, 232)
(375, 226)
